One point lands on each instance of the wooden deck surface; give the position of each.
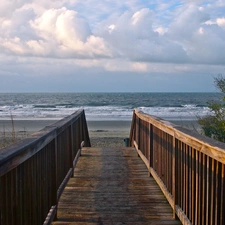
(112, 186)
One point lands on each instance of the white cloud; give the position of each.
(135, 38)
(201, 30)
(112, 36)
(141, 16)
(125, 66)
(55, 33)
(161, 30)
(61, 24)
(7, 8)
(221, 22)
(186, 22)
(46, 29)
(202, 40)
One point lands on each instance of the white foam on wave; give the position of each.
(108, 113)
(187, 112)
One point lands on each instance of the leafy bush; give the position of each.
(214, 125)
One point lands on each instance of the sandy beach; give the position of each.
(108, 133)
(102, 133)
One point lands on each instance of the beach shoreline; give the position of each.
(109, 133)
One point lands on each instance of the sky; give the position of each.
(111, 46)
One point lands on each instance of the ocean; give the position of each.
(104, 106)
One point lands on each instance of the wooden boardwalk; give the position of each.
(112, 186)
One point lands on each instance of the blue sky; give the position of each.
(99, 46)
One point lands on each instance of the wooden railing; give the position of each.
(188, 167)
(34, 171)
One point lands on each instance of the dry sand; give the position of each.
(102, 133)
(108, 138)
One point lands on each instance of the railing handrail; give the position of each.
(208, 146)
(13, 155)
(34, 171)
(188, 167)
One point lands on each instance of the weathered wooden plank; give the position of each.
(112, 186)
(167, 222)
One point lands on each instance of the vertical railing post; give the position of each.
(55, 189)
(73, 141)
(139, 129)
(135, 129)
(174, 176)
(72, 146)
(132, 130)
(83, 129)
(151, 147)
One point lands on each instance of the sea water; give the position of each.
(104, 106)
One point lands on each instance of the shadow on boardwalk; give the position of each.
(112, 186)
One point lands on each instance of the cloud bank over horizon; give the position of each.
(99, 38)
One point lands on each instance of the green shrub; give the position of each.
(214, 125)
